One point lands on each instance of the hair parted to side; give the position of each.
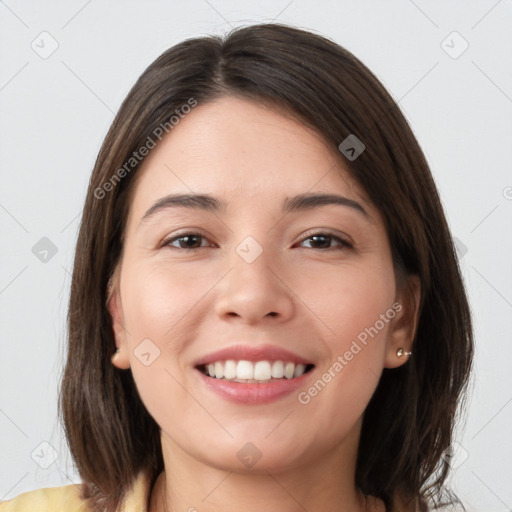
(410, 419)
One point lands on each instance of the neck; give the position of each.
(325, 484)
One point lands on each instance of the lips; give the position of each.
(229, 373)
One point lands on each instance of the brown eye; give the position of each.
(324, 241)
(186, 241)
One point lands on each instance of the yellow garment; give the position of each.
(67, 499)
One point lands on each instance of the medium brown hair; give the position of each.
(410, 419)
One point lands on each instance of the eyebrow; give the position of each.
(209, 203)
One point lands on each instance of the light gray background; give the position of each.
(56, 111)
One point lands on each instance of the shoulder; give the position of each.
(51, 499)
(68, 498)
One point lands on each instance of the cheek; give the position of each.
(161, 307)
(157, 304)
(348, 300)
(156, 300)
(356, 306)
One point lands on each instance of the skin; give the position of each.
(296, 294)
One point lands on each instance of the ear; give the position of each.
(403, 325)
(120, 357)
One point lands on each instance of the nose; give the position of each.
(253, 292)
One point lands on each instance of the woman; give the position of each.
(266, 310)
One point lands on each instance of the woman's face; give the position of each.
(255, 268)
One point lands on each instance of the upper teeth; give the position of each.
(259, 371)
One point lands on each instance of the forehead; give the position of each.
(241, 151)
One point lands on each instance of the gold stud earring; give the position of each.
(400, 352)
(116, 353)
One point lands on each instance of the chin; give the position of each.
(253, 456)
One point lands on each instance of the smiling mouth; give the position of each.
(254, 372)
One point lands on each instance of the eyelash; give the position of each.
(328, 234)
(344, 245)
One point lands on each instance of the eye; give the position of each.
(323, 240)
(189, 241)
